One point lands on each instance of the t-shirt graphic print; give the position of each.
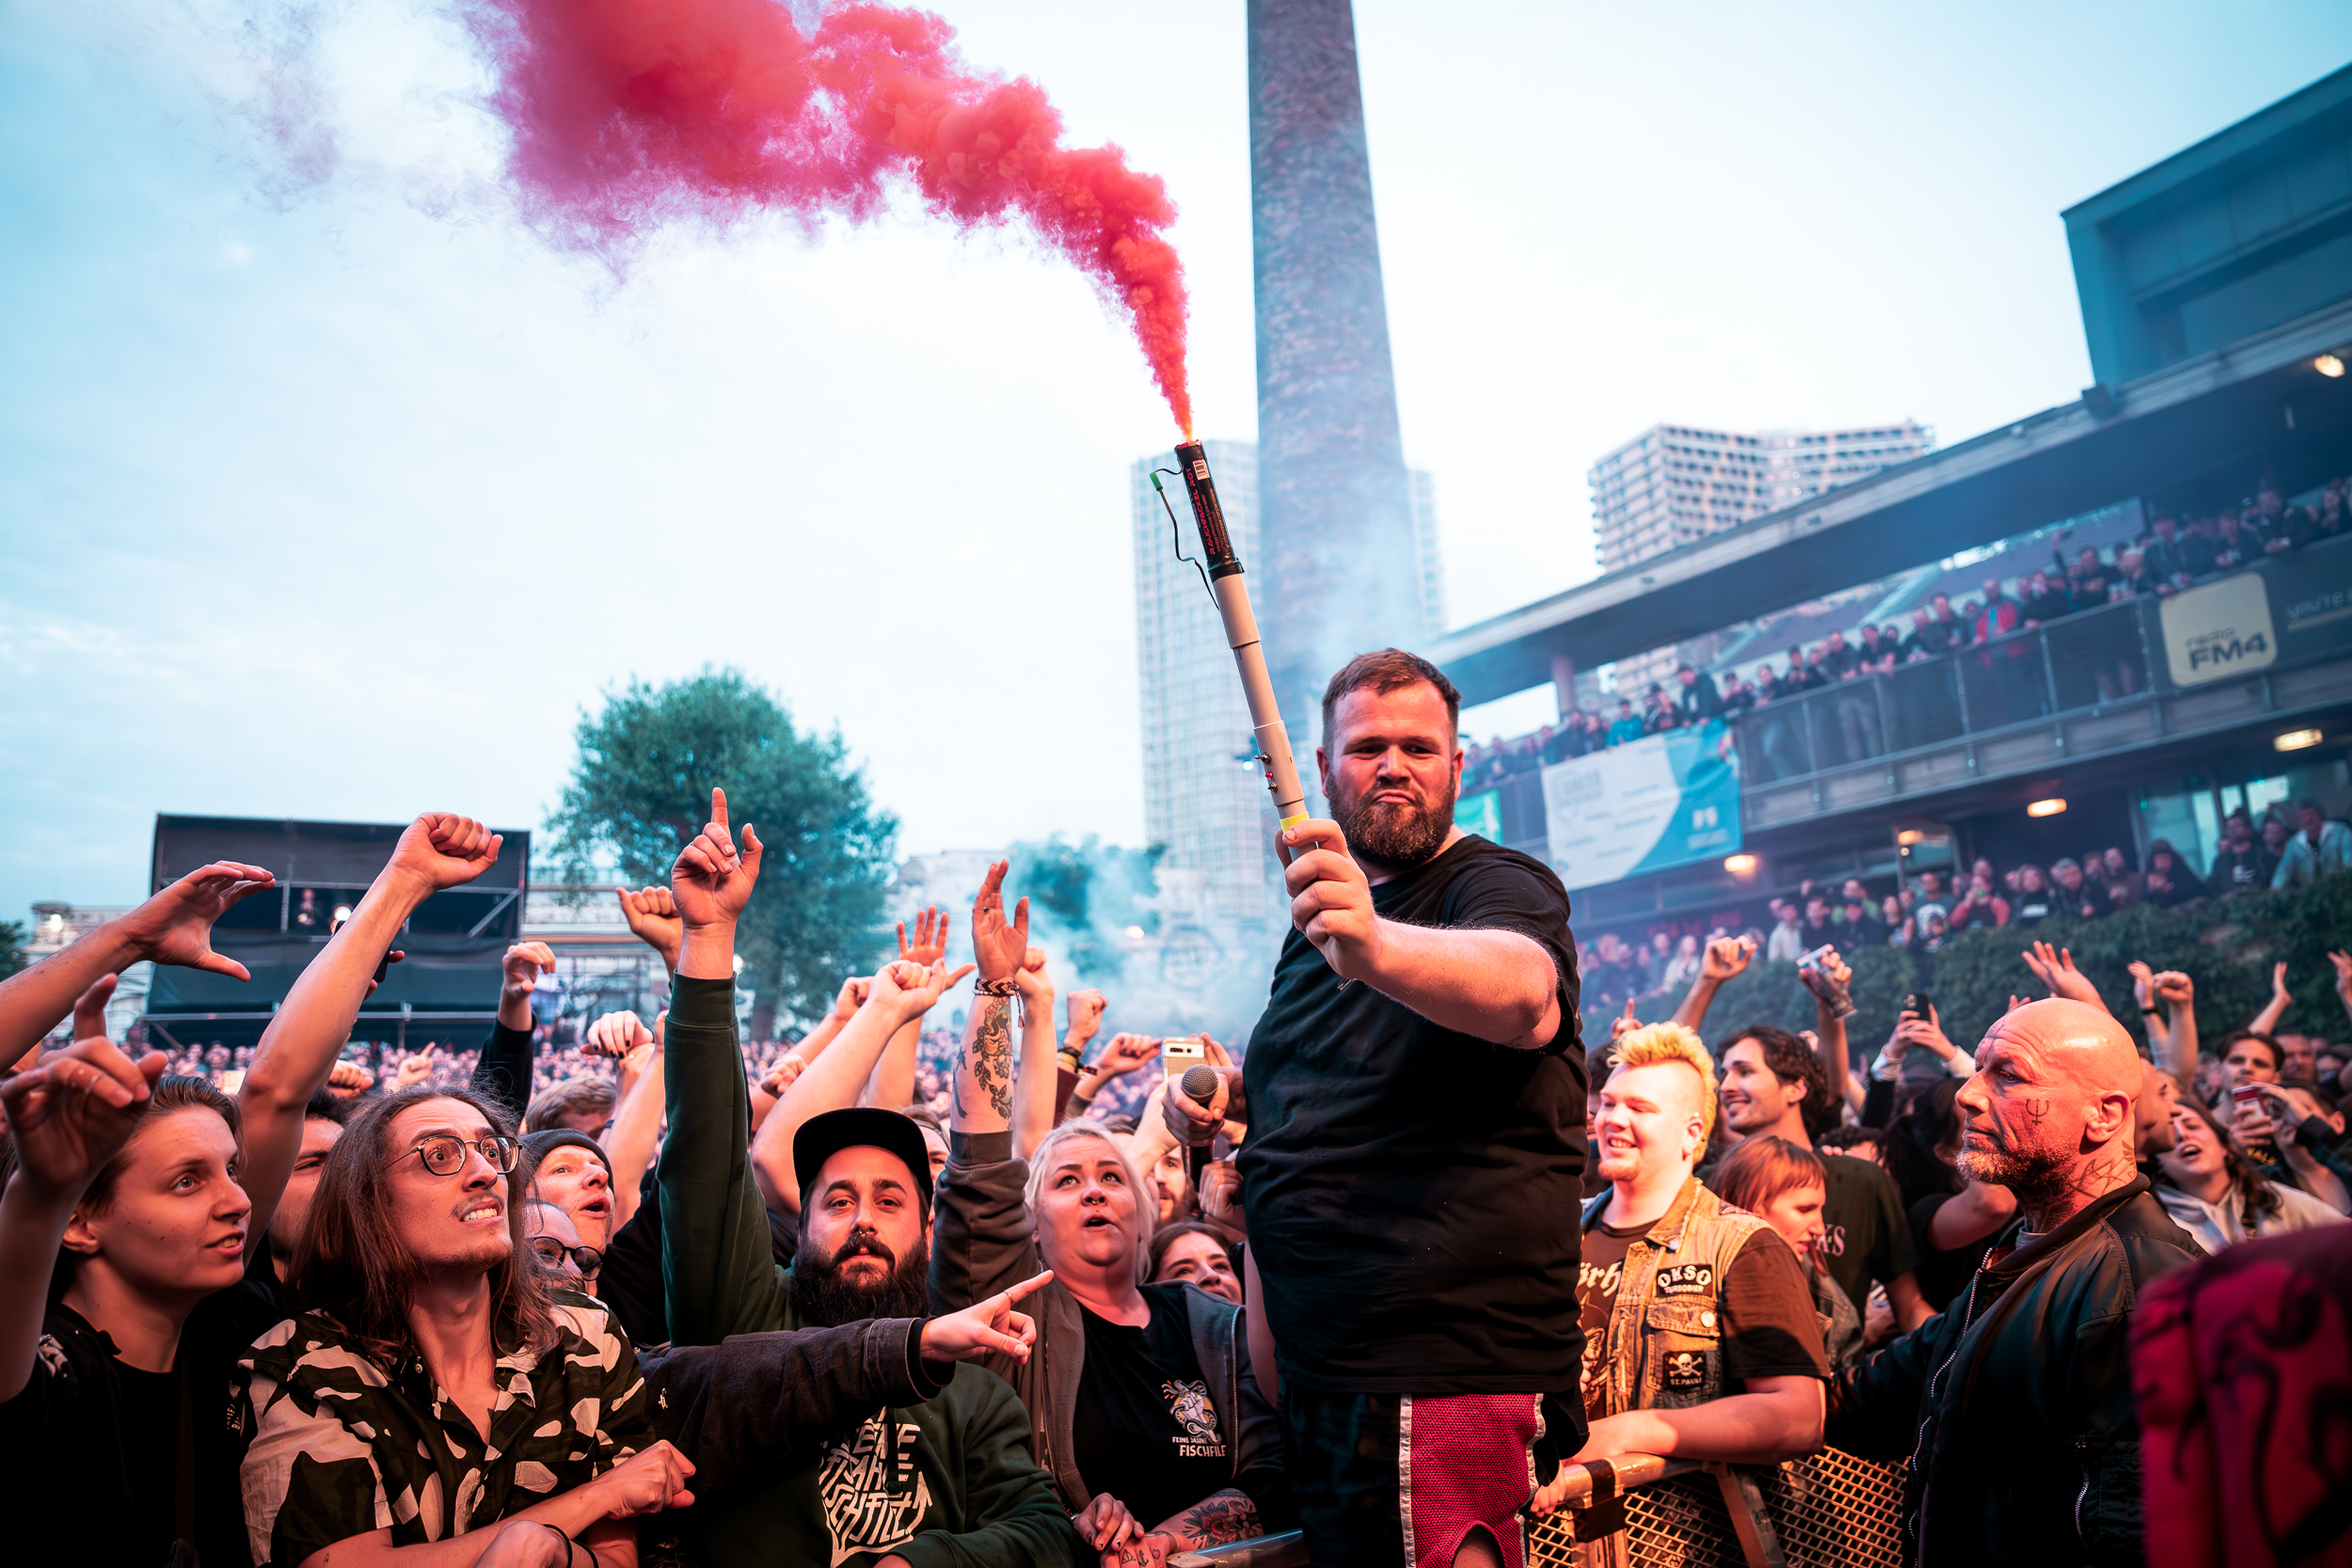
(1189, 1402)
(873, 1491)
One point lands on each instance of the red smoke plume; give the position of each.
(629, 113)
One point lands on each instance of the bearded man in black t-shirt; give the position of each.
(1415, 1099)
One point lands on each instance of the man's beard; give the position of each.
(829, 1298)
(1394, 834)
(2030, 1172)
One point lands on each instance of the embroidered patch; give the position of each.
(1684, 1369)
(1687, 1280)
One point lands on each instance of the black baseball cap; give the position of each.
(822, 1137)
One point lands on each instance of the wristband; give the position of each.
(995, 987)
(2153, 1012)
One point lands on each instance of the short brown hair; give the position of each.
(1389, 670)
(1759, 1169)
(569, 1096)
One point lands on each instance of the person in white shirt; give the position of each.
(2213, 1192)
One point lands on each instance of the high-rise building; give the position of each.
(1201, 795)
(1672, 484)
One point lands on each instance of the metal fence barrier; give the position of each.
(1827, 1510)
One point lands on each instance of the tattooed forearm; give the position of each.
(992, 1054)
(1223, 1516)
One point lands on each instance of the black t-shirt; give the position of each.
(1865, 1236)
(1770, 1327)
(97, 1442)
(2247, 870)
(1146, 1428)
(1413, 1193)
(1944, 1274)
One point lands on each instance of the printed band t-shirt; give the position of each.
(1413, 1191)
(1864, 1235)
(1145, 1428)
(1771, 1328)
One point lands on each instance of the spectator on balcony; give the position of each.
(1834, 659)
(2036, 900)
(2242, 864)
(1923, 641)
(2000, 614)
(2168, 879)
(1628, 725)
(1684, 966)
(2235, 545)
(2319, 847)
(1786, 945)
(1858, 925)
(1697, 700)
(1818, 929)
(2273, 522)
(2078, 895)
(1738, 698)
(2090, 583)
(2134, 578)
(1978, 909)
(2045, 600)
(2173, 560)
(2331, 519)
(1658, 712)
(1947, 625)
(1873, 654)
(1766, 685)
(1927, 897)
(1801, 676)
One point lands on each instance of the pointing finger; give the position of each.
(1028, 1287)
(719, 806)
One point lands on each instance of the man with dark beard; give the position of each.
(2015, 1405)
(951, 1480)
(1415, 1099)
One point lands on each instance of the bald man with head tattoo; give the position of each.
(2015, 1405)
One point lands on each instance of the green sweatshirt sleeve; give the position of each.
(716, 1264)
(1013, 1517)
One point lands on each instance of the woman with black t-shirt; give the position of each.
(135, 1207)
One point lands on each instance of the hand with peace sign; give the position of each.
(986, 1328)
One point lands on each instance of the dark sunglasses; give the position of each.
(446, 1155)
(552, 1254)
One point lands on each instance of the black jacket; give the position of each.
(2015, 1405)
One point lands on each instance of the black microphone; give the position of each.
(1201, 1084)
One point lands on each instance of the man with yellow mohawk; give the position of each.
(1700, 1337)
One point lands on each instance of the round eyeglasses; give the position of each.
(552, 1253)
(445, 1155)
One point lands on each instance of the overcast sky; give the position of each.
(343, 500)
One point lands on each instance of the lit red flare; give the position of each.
(628, 114)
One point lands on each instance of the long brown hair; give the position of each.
(352, 1264)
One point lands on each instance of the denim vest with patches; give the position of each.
(1664, 1349)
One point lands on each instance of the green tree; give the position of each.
(12, 935)
(640, 789)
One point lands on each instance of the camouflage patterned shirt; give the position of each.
(340, 1448)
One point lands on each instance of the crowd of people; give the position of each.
(2176, 553)
(687, 1302)
(1925, 913)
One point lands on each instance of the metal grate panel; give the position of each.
(1828, 1510)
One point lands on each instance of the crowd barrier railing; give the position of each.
(1825, 1510)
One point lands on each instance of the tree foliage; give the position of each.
(2227, 947)
(12, 939)
(640, 789)
(1085, 895)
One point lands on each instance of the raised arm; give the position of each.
(174, 926)
(1725, 958)
(2178, 993)
(897, 995)
(653, 919)
(2266, 1021)
(981, 1101)
(1830, 1027)
(313, 1024)
(1492, 985)
(2151, 1016)
(717, 1265)
(892, 1084)
(502, 1072)
(1121, 1056)
(1038, 1077)
(68, 1117)
(629, 1143)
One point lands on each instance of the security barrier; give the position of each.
(1828, 1509)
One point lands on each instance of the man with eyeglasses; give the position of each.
(555, 1245)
